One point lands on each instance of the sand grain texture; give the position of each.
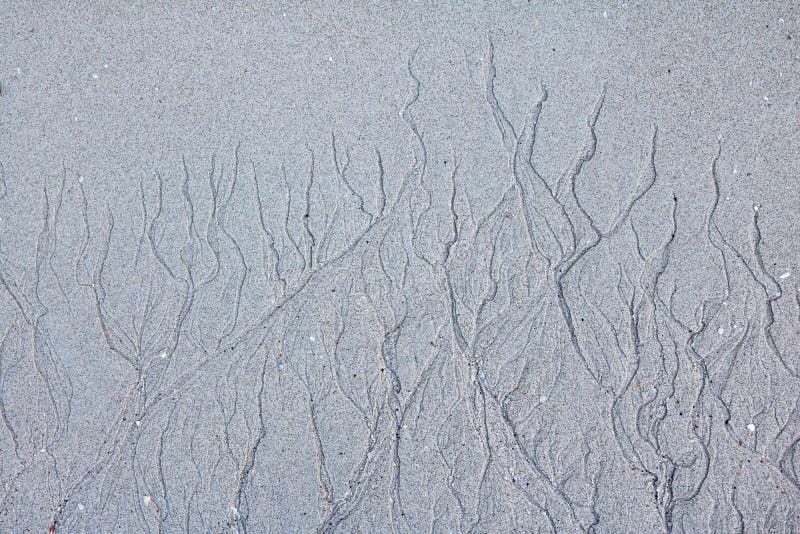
(398, 267)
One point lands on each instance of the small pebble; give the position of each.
(751, 427)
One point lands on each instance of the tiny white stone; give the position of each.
(105, 65)
(148, 500)
(755, 207)
(766, 98)
(542, 399)
(751, 427)
(785, 275)
(94, 76)
(138, 423)
(312, 338)
(330, 59)
(163, 355)
(721, 331)
(80, 179)
(19, 70)
(280, 365)
(735, 170)
(605, 14)
(43, 451)
(81, 507)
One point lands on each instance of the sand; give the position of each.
(399, 267)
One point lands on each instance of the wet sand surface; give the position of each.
(399, 267)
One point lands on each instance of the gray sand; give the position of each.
(399, 268)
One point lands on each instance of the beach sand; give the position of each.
(399, 267)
